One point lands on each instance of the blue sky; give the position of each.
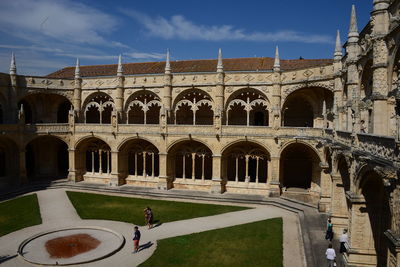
(47, 35)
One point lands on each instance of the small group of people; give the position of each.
(148, 218)
(330, 252)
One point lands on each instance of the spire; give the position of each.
(220, 66)
(77, 69)
(277, 62)
(353, 30)
(13, 66)
(120, 69)
(338, 48)
(167, 64)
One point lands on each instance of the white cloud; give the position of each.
(31, 47)
(180, 28)
(141, 55)
(57, 19)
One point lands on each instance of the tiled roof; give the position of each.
(207, 65)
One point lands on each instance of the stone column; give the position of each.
(326, 189)
(22, 167)
(115, 175)
(217, 186)
(72, 173)
(100, 161)
(202, 167)
(247, 177)
(273, 181)
(236, 168)
(380, 28)
(276, 115)
(92, 161)
(339, 213)
(361, 241)
(119, 98)
(144, 164)
(193, 165)
(164, 182)
(78, 96)
(184, 167)
(136, 167)
(152, 165)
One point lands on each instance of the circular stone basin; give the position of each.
(71, 246)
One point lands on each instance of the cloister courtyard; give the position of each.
(194, 231)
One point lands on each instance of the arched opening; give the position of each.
(93, 157)
(45, 108)
(308, 107)
(190, 160)
(379, 216)
(63, 112)
(143, 108)
(297, 112)
(139, 159)
(99, 108)
(46, 158)
(299, 167)
(9, 160)
(26, 107)
(247, 107)
(245, 162)
(194, 107)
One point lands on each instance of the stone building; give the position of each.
(321, 131)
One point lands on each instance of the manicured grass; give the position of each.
(19, 213)
(125, 209)
(253, 244)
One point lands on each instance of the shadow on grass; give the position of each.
(145, 246)
(6, 258)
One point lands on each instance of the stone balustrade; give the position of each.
(379, 146)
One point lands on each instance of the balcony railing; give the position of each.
(379, 146)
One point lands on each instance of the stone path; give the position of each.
(57, 212)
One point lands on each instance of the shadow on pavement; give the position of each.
(145, 246)
(6, 258)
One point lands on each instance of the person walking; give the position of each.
(330, 256)
(136, 239)
(148, 215)
(344, 238)
(329, 231)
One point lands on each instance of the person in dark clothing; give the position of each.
(136, 239)
(329, 231)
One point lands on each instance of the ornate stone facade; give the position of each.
(321, 131)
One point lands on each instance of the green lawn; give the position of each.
(253, 244)
(125, 209)
(19, 213)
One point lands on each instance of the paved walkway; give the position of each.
(57, 212)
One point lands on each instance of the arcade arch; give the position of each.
(143, 108)
(139, 159)
(46, 157)
(194, 107)
(246, 162)
(45, 108)
(308, 107)
(190, 160)
(9, 159)
(299, 167)
(98, 108)
(247, 107)
(93, 157)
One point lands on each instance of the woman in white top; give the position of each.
(330, 256)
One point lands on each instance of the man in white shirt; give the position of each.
(330, 256)
(344, 238)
